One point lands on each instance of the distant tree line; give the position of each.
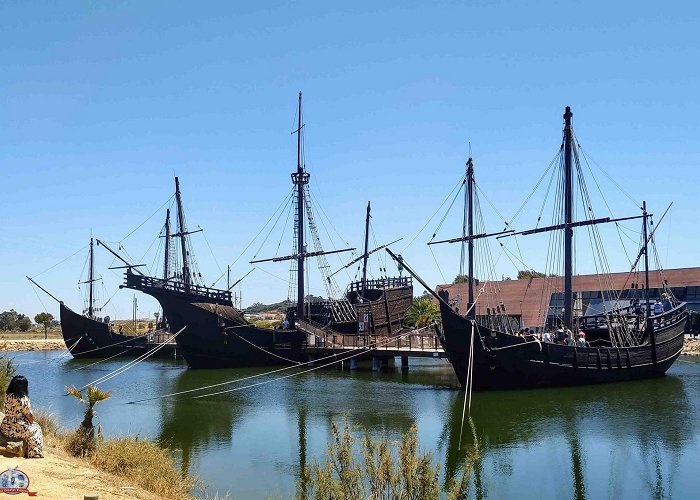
(522, 275)
(258, 307)
(12, 320)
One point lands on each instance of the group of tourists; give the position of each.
(561, 335)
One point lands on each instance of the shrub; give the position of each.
(7, 371)
(145, 463)
(386, 470)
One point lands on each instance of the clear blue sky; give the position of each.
(102, 102)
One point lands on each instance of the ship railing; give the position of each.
(399, 282)
(148, 282)
(627, 315)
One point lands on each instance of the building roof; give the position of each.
(530, 297)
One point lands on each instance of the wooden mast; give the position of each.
(166, 264)
(649, 325)
(182, 233)
(91, 279)
(568, 220)
(366, 254)
(470, 229)
(300, 178)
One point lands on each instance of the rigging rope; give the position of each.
(149, 218)
(61, 262)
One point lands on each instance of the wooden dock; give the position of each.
(418, 343)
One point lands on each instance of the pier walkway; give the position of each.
(419, 343)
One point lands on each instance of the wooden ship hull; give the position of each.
(382, 312)
(88, 338)
(505, 361)
(217, 336)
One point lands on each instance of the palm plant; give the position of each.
(84, 442)
(423, 312)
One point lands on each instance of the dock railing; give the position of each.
(321, 339)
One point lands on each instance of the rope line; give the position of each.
(63, 353)
(277, 370)
(468, 388)
(134, 362)
(265, 350)
(368, 349)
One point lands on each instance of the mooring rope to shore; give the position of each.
(468, 389)
(104, 359)
(134, 362)
(266, 351)
(112, 345)
(277, 370)
(57, 358)
(301, 372)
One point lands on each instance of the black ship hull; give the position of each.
(87, 338)
(505, 361)
(217, 336)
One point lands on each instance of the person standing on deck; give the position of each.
(658, 307)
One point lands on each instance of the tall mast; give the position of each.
(366, 254)
(91, 280)
(568, 220)
(649, 326)
(300, 178)
(182, 232)
(470, 228)
(166, 265)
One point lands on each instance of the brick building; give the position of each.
(534, 302)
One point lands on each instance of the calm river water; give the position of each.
(632, 440)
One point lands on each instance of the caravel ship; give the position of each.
(217, 335)
(623, 342)
(88, 336)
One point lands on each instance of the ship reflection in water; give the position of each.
(611, 441)
(631, 440)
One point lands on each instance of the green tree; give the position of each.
(8, 320)
(423, 312)
(83, 442)
(530, 273)
(45, 319)
(24, 324)
(461, 278)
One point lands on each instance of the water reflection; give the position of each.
(191, 425)
(632, 440)
(601, 428)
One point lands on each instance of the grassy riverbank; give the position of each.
(121, 467)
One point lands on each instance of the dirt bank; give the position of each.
(691, 347)
(61, 477)
(32, 345)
